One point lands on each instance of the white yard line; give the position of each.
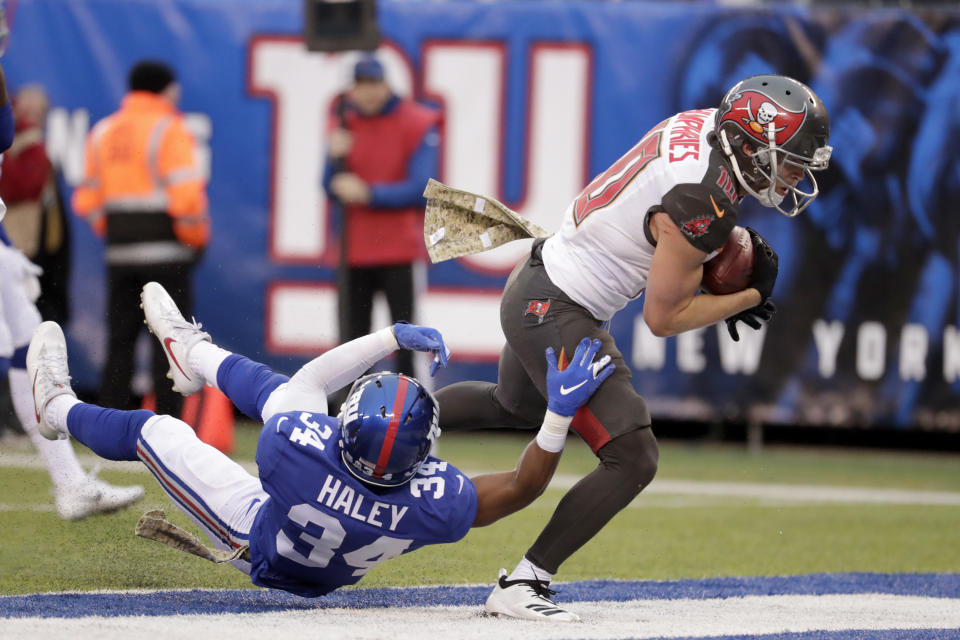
(779, 493)
(27, 507)
(798, 493)
(750, 615)
(803, 493)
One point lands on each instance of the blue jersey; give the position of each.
(322, 528)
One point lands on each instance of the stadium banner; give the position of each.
(538, 97)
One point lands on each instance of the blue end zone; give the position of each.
(160, 603)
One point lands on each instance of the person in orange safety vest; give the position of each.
(144, 192)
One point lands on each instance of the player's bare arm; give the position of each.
(671, 303)
(500, 494)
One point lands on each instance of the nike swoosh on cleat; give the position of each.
(166, 345)
(567, 390)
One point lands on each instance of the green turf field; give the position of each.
(661, 536)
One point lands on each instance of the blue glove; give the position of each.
(414, 338)
(440, 358)
(568, 390)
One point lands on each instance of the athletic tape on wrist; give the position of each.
(553, 432)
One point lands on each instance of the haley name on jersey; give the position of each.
(601, 255)
(322, 528)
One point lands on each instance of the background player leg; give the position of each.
(76, 494)
(359, 306)
(397, 284)
(123, 326)
(355, 318)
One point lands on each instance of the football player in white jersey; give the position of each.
(645, 225)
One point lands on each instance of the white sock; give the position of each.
(205, 358)
(526, 570)
(58, 455)
(57, 410)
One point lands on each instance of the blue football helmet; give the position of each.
(387, 426)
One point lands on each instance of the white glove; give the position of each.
(19, 266)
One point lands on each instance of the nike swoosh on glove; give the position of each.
(570, 389)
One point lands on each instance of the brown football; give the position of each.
(730, 270)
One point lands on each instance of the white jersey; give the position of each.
(18, 313)
(601, 255)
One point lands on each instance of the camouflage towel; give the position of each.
(459, 223)
(153, 525)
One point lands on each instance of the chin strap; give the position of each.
(763, 198)
(768, 197)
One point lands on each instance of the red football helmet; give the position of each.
(783, 123)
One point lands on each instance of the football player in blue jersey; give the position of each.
(336, 495)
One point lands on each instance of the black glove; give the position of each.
(751, 317)
(765, 266)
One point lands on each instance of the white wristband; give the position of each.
(553, 432)
(389, 338)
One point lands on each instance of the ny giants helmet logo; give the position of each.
(352, 410)
(752, 111)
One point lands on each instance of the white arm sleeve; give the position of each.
(307, 390)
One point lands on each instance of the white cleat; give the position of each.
(93, 496)
(49, 375)
(176, 335)
(526, 599)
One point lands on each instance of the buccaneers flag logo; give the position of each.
(698, 227)
(538, 307)
(754, 111)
